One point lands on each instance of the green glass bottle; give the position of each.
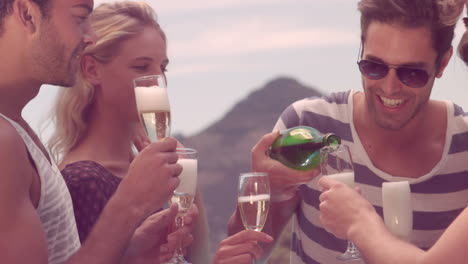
(299, 147)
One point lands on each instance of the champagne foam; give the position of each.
(188, 176)
(151, 99)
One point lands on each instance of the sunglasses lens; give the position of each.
(373, 70)
(413, 77)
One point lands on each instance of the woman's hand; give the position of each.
(179, 237)
(241, 248)
(148, 238)
(342, 208)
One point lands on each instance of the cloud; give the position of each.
(258, 35)
(182, 6)
(215, 66)
(175, 6)
(204, 41)
(194, 68)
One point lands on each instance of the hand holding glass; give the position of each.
(336, 163)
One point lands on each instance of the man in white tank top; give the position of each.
(40, 43)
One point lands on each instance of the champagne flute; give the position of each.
(253, 199)
(398, 214)
(336, 163)
(153, 106)
(184, 194)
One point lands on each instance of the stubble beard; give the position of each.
(51, 61)
(383, 120)
(69, 76)
(388, 121)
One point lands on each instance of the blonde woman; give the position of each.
(96, 119)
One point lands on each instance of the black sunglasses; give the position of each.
(411, 77)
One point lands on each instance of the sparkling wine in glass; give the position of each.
(184, 194)
(397, 210)
(336, 163)
(253, 199)
(153, 106)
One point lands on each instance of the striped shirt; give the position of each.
(437, 197)
(55, 207)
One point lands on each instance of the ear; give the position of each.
(28, 14)
(89, 69)
(444, 61)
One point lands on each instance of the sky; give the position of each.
(221, 50)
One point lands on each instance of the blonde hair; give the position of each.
(112, 24)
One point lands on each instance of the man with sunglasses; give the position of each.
(393, 128)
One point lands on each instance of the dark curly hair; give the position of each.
(439, 15)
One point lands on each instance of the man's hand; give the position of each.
(152, 177)
(283, 180)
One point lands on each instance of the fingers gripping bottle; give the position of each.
(299, 147)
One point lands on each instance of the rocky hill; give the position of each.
(224, 147)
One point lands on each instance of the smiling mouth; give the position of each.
(391, 102)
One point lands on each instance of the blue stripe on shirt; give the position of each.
(296, 246)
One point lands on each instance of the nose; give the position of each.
(89, 36)
(390, 83)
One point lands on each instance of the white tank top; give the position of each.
(55, 207)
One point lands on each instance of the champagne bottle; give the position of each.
(299, 147)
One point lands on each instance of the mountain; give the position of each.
(224, 147)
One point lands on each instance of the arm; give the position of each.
(20, 227)
(283, 184)
(349, 216)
